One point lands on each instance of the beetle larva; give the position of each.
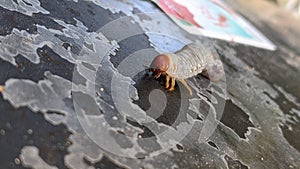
(189, 61)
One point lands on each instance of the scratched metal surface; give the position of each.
(76, 94)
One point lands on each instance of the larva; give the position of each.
(189, 61)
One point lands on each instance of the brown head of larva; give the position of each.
(159, 65)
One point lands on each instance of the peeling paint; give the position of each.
(101, 107)
(30, 158)
(288, 96)
(27, 7)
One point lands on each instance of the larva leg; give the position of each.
(1, 89)
(186, 86)
(157, 75)
(172, 84)
(167, 81)
(205, 74)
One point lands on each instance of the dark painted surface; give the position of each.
(22, 127)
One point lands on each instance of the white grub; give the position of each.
(189, 61)
(192, 59)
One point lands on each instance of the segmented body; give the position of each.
(191, 60)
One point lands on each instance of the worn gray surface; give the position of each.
(76, 94)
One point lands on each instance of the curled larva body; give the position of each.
(189, 61)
